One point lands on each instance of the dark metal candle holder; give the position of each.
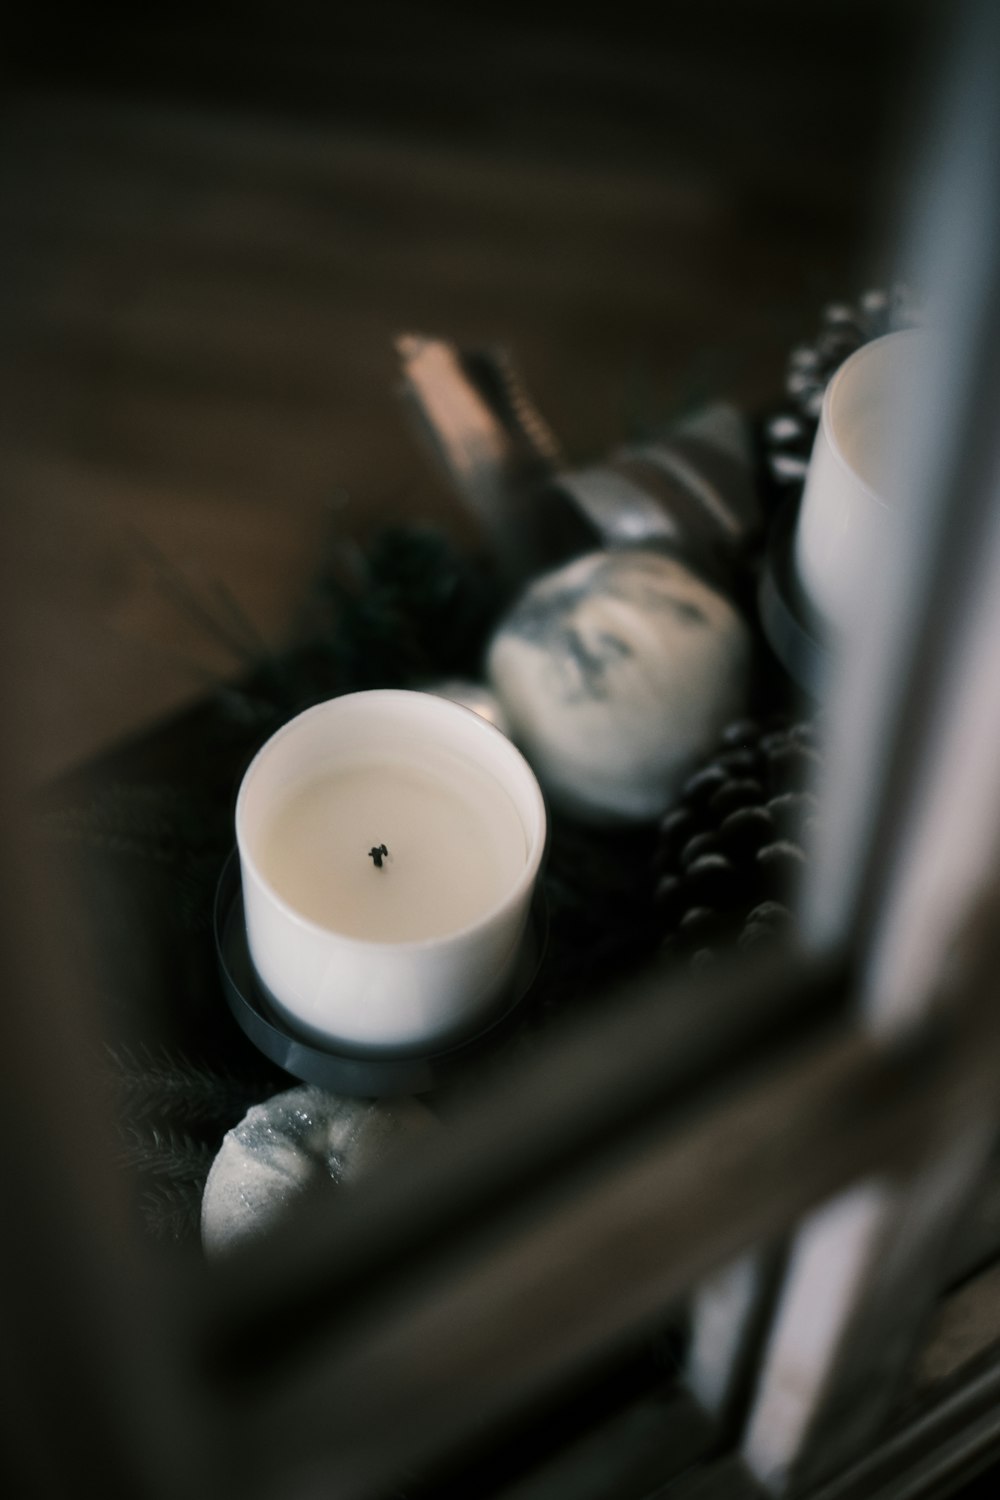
(341, 1068)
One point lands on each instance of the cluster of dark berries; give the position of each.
(730, 853)
(788, 433)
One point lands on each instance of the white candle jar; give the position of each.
(389, 846)
(855, 486)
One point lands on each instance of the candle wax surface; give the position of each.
(456, 847)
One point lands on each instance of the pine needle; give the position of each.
(169, 1154)
(168, 1086)
(172, 1213)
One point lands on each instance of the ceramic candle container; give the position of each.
(855, 485)
(389, 846)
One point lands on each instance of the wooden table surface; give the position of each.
(212, 233)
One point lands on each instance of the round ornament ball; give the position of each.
(617, 673)
(289, 1143)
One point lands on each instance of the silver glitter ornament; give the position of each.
(282, 1147)
(617, 673)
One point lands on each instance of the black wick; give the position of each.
(378, 852)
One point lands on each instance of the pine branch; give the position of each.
(164, 1085)
(171, 1155)
(240, 621)
(172, 1212)
(205, 612)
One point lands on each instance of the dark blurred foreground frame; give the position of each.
(839, 1104)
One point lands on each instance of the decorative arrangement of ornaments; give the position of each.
(622, 656)
(616, 665)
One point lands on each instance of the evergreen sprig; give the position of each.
(171, 1166)
(167, 1153)
(171, 1212)
(173, 1114)
(166, 1085)
(413, 607)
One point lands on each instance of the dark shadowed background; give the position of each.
(215, 222)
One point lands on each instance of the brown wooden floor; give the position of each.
(211, 235)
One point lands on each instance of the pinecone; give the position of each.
(730, 853)
(787, 433)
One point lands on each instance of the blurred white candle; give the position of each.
(413, 947)
(855, 492)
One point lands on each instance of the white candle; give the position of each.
(389, 845)
(855, 487)
(456, 848)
